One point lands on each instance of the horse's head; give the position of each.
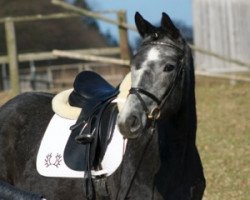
(157, 77)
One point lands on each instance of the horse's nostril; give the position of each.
(134, 124)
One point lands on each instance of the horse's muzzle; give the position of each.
(130, 125)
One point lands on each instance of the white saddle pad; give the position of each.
(50, 159)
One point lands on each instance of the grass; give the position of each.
(223, 137)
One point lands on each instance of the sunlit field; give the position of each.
(224, 138)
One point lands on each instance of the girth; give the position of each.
(94, 128)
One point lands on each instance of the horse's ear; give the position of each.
(143, 26)
(168, 26)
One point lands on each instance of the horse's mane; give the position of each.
(61, 106)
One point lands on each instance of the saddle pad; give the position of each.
(50, 159)
(61, 106)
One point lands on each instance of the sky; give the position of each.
(151, 10)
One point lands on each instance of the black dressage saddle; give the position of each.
(91, 90)
(93, 129)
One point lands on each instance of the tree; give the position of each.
(70, 33)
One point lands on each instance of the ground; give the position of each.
(4, 96)
(223, 137)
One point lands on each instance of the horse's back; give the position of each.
(24, 110)
(23, 120)
(25, 103)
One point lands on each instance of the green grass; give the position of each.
(223, 138)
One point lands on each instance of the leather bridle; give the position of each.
(152, 115)
(155, 113)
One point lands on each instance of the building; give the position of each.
(223, 27)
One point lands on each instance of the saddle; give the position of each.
(90, 91)
(95, 125)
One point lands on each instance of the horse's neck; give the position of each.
(181, 124)
(179, 130)
(163, 162)
(184, 121)
(160, 158)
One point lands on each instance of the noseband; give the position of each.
(155, 113)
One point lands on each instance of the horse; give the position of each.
(158, 120)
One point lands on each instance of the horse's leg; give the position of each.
(9, 192)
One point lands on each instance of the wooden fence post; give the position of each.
(12, 56)
(4, 77)
(123, 34)
(1, 77)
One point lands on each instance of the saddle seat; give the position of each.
(90, 90)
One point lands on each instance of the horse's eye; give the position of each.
(168, 68)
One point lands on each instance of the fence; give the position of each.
(13, 58)
(193, 47)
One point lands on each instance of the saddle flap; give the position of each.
(79, 156)
(106, 130)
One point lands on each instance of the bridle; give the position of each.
(155, 113)
(152, 115)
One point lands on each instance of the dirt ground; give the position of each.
(4, 96)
